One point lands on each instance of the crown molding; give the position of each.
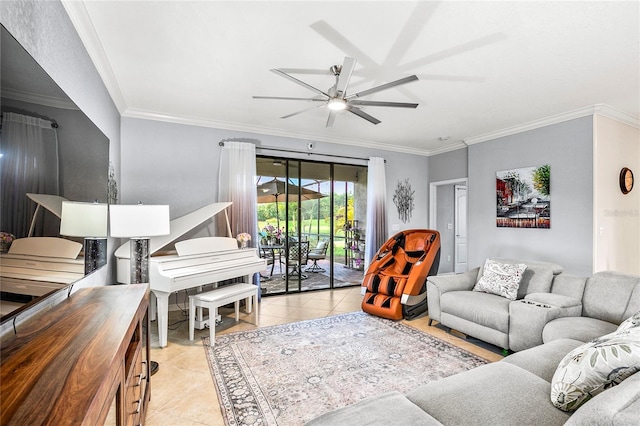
(618, 115)
(558, 118)
(33, 98)
(84, 27)
(448, 148)
(225, 125)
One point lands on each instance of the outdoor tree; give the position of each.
(343, 215)
(541, 179)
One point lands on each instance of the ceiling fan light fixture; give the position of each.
(337, 104)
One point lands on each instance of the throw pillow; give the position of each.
(502, 279)
(594, 367)
(631, 322)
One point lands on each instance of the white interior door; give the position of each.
(460, 220)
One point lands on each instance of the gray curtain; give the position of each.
(376, 232)
(29, 164)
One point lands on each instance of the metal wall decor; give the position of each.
(403, 199)
(112, 186)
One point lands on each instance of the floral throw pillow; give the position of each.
(502, 279)
(594, 367)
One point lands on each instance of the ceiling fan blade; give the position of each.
(301, 111)
(309, 71)
(284, 98)
(345, 75)
(384, 86)
(331, 118)
(300, 82)
(384, 104)
(444, 77)
(364, 115)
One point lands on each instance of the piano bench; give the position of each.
(221, 296)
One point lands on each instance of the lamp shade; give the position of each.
(83, 219)
(138, 220)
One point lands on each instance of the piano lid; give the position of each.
(179, 227)
(53, 203)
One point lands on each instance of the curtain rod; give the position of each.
(267, 148)
(54, 124)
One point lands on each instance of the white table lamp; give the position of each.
(138, 222)
(87, 220)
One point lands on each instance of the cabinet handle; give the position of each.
(139, 402)
(140, 379)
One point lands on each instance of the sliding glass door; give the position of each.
(310, 217)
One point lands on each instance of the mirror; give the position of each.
(77, 151)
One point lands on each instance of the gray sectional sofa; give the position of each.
(514, 391)
(549, 305)
(492, 318)
(518, 389)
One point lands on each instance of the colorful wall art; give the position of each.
(523, 199)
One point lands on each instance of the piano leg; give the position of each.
(152, 307)
(162, 299)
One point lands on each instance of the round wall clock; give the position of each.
(626, 180)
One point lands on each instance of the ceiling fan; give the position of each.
(337, 99)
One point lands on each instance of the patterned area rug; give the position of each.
(288, 374)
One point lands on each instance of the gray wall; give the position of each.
(178, 164)
(568, 148)
(449, 165)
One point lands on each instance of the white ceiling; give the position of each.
(483, 66)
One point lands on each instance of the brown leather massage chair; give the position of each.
(394, 285)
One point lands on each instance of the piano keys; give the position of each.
(35, 266)
(192, 263)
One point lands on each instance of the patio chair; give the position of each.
(297, 257)
(318, 253)
(269, 255)
(394, 285)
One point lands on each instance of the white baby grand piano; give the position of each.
(36, 266)
(193, 263)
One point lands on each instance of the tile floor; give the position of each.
(182, 391)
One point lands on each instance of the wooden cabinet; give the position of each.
(84, 361)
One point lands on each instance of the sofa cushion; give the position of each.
(557, 300)
(569, 285)
(543, 360)
(537, 278)
(493, 394)
(385, 409)
(607, 295)
(578, 328)
(619, 406)
(485, 309)
(594, 367)
(501, 279)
